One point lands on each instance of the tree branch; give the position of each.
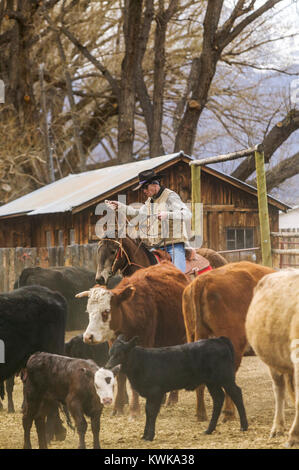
(284, 170)
(278, 134)
(256, 67)
(224, 39)
(112, 81)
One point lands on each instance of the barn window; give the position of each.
(239, 238)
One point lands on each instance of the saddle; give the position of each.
(195, 263)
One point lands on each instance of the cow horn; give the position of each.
(86, 293)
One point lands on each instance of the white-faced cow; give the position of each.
(147, 304)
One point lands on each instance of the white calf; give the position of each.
(104, 381)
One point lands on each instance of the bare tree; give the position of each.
(273, 140)
(140, 75)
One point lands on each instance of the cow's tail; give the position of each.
(289, 381)
(67, 417)
(202, 329)
(189, 313)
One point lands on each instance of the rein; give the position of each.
(119, 253)
(122, 251)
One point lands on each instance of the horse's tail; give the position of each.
(216, 260)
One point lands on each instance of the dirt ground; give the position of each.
(177, 426)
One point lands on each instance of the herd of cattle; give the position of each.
(155, 328)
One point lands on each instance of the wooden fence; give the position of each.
(245, 254)
(14, 260)
(286, 248)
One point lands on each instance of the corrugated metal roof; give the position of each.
(73, 190)
(77, 190)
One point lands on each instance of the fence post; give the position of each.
(263, 209)
(196, 197)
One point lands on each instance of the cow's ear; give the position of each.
(125, 294)
(87, 372)
(116, 370)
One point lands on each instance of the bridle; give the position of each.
(120, 252)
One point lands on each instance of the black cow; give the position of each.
(31, 319)
(154, 371)
(78, 384)
(76, 347)
(68, 280)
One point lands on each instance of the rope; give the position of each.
(122, 251)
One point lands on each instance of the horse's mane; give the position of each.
(151, 257)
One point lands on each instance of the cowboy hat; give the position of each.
(146, 177)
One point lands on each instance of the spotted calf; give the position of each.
(78, 384)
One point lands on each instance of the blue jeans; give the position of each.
(178, 259)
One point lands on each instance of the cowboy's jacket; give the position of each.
(152, 231)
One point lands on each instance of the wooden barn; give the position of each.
(64, 212)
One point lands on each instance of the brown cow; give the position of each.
(147, 304)
(216, 304)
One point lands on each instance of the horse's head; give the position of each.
(111, 257)
(106, 254)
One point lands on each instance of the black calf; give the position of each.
(76, 347)
(154, 371)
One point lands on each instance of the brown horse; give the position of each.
(127, 255)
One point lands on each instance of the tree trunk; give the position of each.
(126, 127)
(206, 68)
(76, 125)
(19, 86)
